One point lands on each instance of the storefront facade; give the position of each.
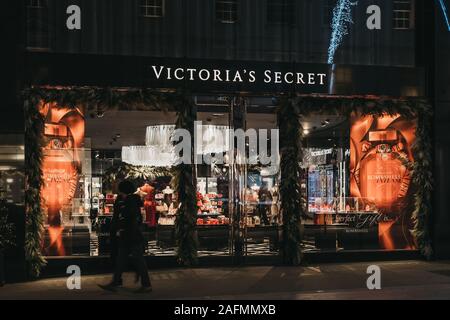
(341, 142)
(355, 154)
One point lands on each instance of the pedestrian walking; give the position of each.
(129, 237)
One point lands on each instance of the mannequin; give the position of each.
(263, 207)
(274, 209)
(168, 193)
(149, 204)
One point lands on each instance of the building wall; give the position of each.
(441, 220)
(190, 29)
(12, 31)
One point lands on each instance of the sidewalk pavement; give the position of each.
(399, 280)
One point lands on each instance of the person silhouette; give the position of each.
(130, 239)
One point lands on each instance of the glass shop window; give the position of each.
(12, 179)
(213, 181)
(85, 157)
(358, 189)
(12, 190)
(262, 216)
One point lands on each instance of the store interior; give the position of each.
(136, 145)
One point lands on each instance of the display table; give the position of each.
(213, 237)
(258, 234)
(104, 238)
(74, 239)
(345, 230)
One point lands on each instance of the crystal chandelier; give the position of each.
(160, 137)
(147, 156)
(215, 139)
(160, 152)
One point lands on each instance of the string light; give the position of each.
(444, 11)
(342, 17)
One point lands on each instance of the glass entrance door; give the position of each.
(262, 217)
(213, 173)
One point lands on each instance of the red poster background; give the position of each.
(380, 148)
(61, 165)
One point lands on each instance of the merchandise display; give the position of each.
(261, 201)
(211, 204)
(166, 206)
(148, 194)
(353, 188)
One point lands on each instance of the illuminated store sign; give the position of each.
(238, 76)
(235, 76)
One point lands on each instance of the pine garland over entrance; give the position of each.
(422, 170)
(97, 101)
(185, 185)
(290, 191)
(34, 223)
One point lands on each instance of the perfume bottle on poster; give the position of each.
(63, 136)
(384, 179)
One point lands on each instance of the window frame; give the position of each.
(37, 4)
(145, 6)
(221, 18)
(403, 19)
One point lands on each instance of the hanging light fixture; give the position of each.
(160, 152)
(215, 139)
(160, 137)
(147, 156)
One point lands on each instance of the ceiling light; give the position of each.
(159, 150)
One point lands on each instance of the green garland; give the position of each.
(290, 191)
(423, 180)
(96, 101)
(138, 174)
(422, 170)
(34, 227)
(100, 100)
(185, 186)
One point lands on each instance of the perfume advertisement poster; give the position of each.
(380, 149)
(61, 165)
